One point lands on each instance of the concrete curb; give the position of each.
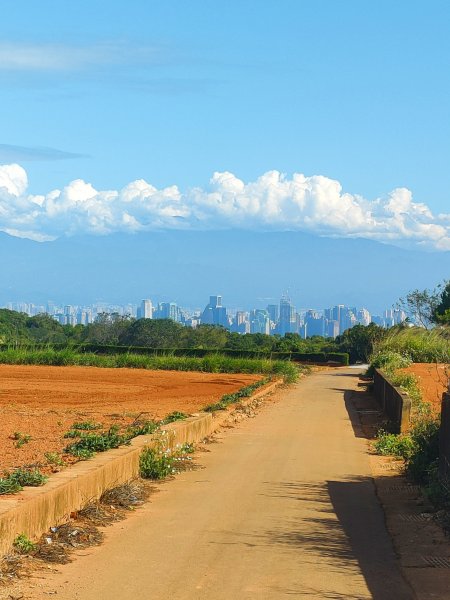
(35, 510)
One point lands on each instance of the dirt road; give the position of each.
(283, 507)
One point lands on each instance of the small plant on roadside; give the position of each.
(53, 458)
(155, 463)
(188, 448)
(28, 477)
(174, 416)
(82, 453)
(24, 545)
(391, 444)
(72, 433)
(9, 485)
(86, 425)
(21, 438)
(98, 442)
(145, 428)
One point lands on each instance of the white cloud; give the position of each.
(314, 204)
(64, 57)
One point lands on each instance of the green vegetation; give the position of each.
(28, 477)
(156, 464)
(159, 462)
(416, 344)
(8, 485)
(174, 416)
(86, 426)
(53, 458)
(15, 481)
(391, 444)
(397, 349)
(228, 399)
(24, 545)
(21, 438)
(214, 363)
(90, 443)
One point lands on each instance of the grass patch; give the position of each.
(214, 363)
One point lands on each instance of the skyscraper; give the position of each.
(287, 321)
(145, 310)
(214, 313)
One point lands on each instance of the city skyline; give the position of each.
(281, 318)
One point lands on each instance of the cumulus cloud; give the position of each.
(274, 201)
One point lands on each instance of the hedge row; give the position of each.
(341, 358)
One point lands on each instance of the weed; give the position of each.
(391, 444)
(228, 399)
(28, 477)
(53, 458)
(173, 416)
(82, 453)
(155, 464)
(188, 448)
(9, 486)
(21, 438)
(86, 426)
(72, 433)
(98, 442)
(24, 545)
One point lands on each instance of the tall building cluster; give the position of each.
(275, 319)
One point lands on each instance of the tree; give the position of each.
(420, 305)
(153, 333)
(107, 328)
(442, 311)
(359, 341)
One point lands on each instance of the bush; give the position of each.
(28, 477)
(155, 464)
(24, 545)
(391, 444)
(425, 439)
(97, 442)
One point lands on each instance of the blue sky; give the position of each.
(171, 92)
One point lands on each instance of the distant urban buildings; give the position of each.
(275, 319)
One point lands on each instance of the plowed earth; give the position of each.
(432, 379)
(43, 402)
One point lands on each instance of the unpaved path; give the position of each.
(284, 507)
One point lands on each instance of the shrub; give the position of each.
(28, 477)
(173, 416)
(155, 464)
(24, 545)
(9, 486)
(391, 444)
(97, 442)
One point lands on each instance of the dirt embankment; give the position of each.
(43, 402)
(433, 380)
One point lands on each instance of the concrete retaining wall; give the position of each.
(35, 510)
(444, 438)
(395, 403)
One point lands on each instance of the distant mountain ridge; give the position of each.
(247, 268)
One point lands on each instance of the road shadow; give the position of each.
(346, 526)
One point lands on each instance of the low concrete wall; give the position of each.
(395, 403)
(444, 438)
(35, 510)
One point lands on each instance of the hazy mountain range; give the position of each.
(247, 268)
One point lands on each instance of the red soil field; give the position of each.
(433, 381)
(43, 402)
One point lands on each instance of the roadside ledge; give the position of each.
(35, 510)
